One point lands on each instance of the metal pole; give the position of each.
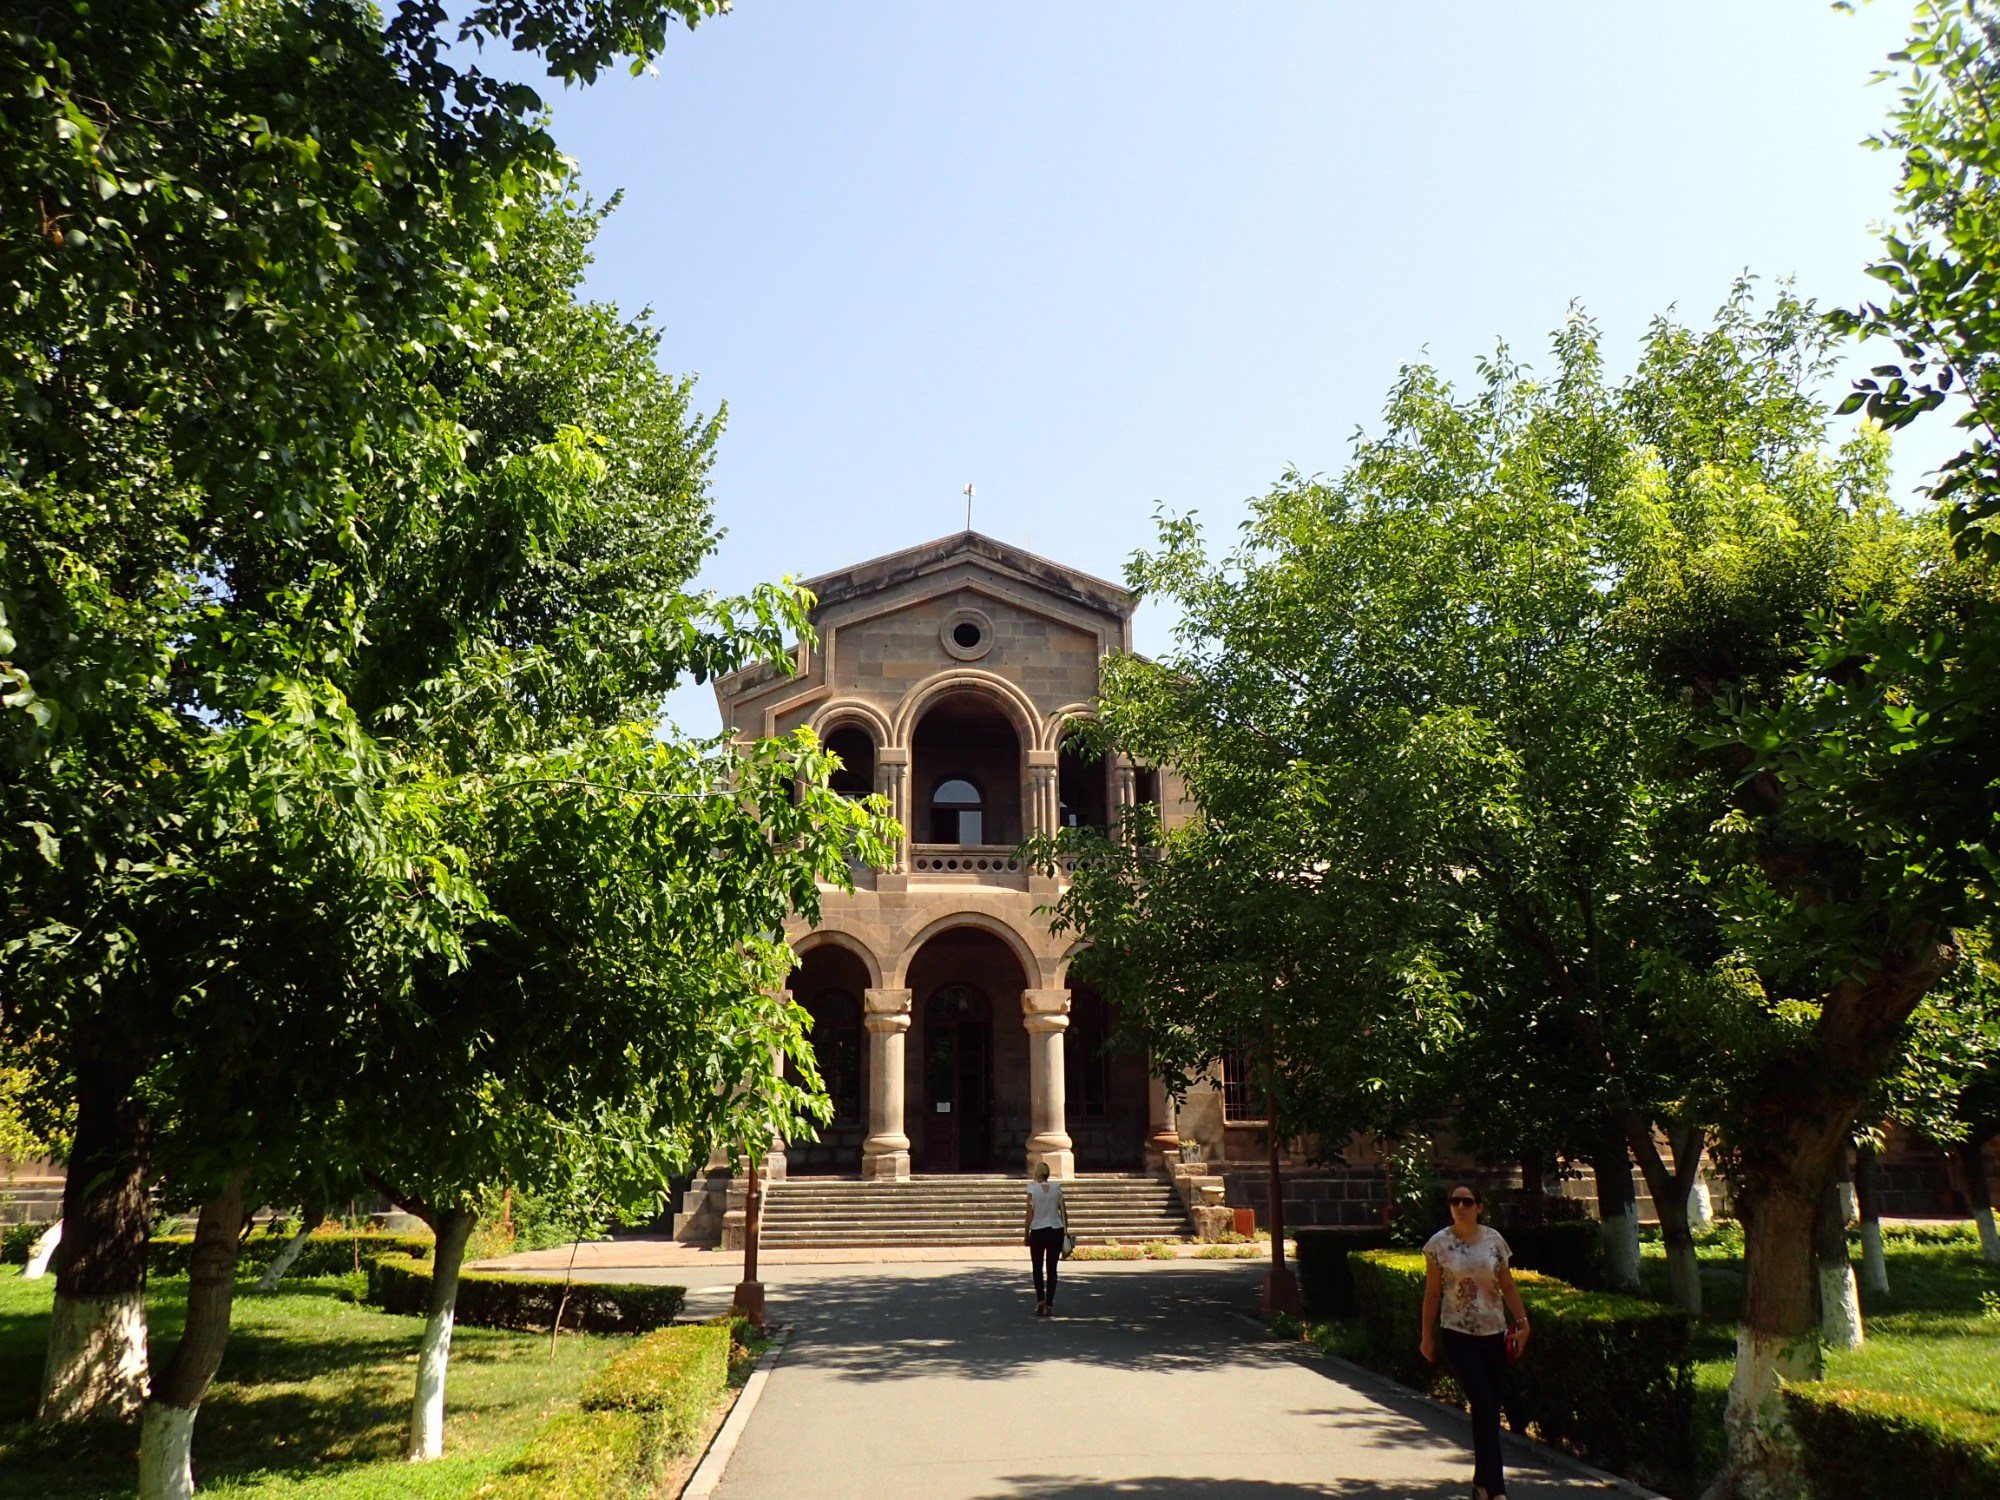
(749, 1301)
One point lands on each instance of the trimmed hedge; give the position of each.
(488, 1299)
(1609, 1378)
(16, 1240)
(1325, 1282)
(1873, 1443)
(328, 1254)
(640, 1413)
(1571, 1250)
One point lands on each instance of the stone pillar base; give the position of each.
(735, 1229)
(890, 1164)
(1060, 1159)
(1213, 1222)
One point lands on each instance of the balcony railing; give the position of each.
(964, 859)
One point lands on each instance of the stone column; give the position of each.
(1045, 1013)
(773, 1167)
(1124, 792)
(892, 774)
(1041, 793)
(885, 1155)
(1163, 1138)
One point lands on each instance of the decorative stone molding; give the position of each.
(966, 633)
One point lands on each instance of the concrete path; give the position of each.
(918, 1382)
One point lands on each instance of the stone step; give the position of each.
(961, 1211)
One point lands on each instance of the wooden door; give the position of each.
(958, 1081)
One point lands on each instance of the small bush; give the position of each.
(1226, 1251)
(1872, 1443)
(17, 1240)
(330, 1254)
(1325, 1281)
(640, 1413)
(677, 1373)
(1108, 1252)
(1610, 1378)
(1571, 1251)
(1939, 1232)
(402, 1284)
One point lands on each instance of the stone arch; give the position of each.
(835, 712)
(1022, 948)
(1056, 724)
(833, 935)
(1012, 701)
(1068, 958)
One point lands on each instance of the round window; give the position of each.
(966, 634)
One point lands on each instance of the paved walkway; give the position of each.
(932, 1382)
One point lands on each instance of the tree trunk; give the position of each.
(1617, 1212)
(1868, 1202)
(453, 1227)
(1776, 1340)
(1839, 1298)
(96, 1361)
(309, 1220)
(1700, 1206)
(1534, 1189)
(1670, 1200)
(41, 1252)
(166, 1428)
(1972, 1161)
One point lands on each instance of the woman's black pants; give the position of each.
(1477, 1361)
(1045, 1244)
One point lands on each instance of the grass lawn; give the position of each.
(310, 1400)
(1930, 1337)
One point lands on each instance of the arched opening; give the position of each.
(1105, 1087)
(968, 1067)
(1082, 786)
(957, 813)
(829, 984)
(856, 749)
(966, 770)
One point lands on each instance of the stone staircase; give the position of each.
(830, 1212)
(30, 1198)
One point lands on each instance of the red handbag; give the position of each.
(1517, 1341)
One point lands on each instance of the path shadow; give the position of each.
(1169, 1487)
(978, 1324)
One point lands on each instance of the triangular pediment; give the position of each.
(895, 571)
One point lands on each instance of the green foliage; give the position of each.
(1571, 1251)
(1939, 264)
(16, 1240)
(1326, 1279)
(324, 1254)
(643, 1410)
(486, 1299)
(1871, 1442)
(1609, 1378)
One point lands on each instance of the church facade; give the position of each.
(949, 679)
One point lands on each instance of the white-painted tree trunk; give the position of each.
(96, 1358)
(282, 1261)
(1621, 1251)
(1701, 1207)
(1684, 1277)
(427, 1412)
(1839, 1307)
(1989, 1237)
(40, 1252)
(1874, 1267)
(1848, 1210)
(1760, 1431)
(166, 1449)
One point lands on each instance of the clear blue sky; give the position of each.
(1101, 258)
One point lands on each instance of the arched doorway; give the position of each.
(967, 1078)
(958, 1080)
(828, 984)
(966, 774)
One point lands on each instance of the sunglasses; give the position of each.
(1461, 1201)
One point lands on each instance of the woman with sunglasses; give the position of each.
(1469, 1290)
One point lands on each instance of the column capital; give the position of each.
(1041, 760)
(1045, 1003)
(886, 1002)
(892, 755)
(885, 1023)
(1042, 1025)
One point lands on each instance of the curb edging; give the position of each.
(707, 1476)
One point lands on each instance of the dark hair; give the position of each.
(1478, 1198)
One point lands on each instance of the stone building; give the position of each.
(948, 678)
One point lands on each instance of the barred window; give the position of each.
(1242, 1087)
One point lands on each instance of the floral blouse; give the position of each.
(1471, 1280)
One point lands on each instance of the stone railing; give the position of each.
(964, 859)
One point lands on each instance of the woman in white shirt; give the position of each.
(1469, 1290)
(1042, 1230)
